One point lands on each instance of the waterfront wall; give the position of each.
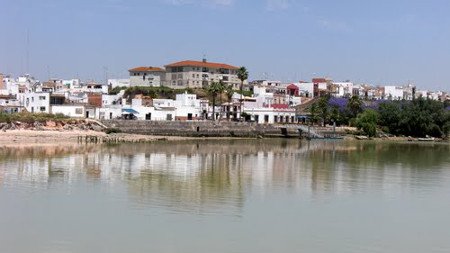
(196, 128)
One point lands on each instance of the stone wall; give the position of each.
(196, 128)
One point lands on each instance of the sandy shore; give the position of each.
(33, 137)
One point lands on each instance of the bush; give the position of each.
(112, 131)
(27, 117)
(367, 122)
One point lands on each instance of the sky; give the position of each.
(381, 42)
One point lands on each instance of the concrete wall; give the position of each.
(76, 111)
(199, 128)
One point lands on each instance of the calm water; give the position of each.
(226, 196)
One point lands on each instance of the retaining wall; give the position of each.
(196, 128)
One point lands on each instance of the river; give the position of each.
(272, 195)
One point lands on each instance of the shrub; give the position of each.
(112, 131)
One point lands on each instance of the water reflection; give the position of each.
(218, 176)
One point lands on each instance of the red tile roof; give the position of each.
(146, 69)
(202, 64)
(319, 80)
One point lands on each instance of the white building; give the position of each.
(113, 83)
(271, 115)
(35, 102)
(393, 92)
(74, 111)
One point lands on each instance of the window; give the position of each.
(78, 111)
(41, 97)
(42, 108)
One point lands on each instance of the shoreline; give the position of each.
(23, 138)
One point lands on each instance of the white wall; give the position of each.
(150, 80)
(75, 111)
(119, 83)
(393, 91)
(306, 87)
(35, 102)
(271, 113)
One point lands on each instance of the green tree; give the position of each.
(354, 106)
(324, 108)
(367, 122)
(314, 113)
(242, 74)
(229, 92)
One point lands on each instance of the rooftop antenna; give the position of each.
(204, 58)
(27, 64)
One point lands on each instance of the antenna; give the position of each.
(105, 69)
(27, 64)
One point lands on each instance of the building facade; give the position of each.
(147, 76)
(200, 74)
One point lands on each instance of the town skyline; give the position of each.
(394, 44)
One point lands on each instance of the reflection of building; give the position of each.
(214, 176)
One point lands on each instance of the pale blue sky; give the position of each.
(380, 42)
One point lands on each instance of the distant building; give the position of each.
(113, 83)
(200, 74)
(147, 76)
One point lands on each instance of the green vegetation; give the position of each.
(112, 130)
(416, 118)
(242, 74)
(367, 122)
(245, 93)
(27, 117)
(116, 90)
(155, 92)
(214, 89)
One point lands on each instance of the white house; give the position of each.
(75, 111)
(393, 92)
(113, 83)
(35, 102)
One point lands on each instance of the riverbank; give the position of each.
(48, 138)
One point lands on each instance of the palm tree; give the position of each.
(221, 90)
(242, 74)
(229, 92)
(213, 89)
(355, 106)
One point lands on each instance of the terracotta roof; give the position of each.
(201, 64)
(319, 80)
(146, 69)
